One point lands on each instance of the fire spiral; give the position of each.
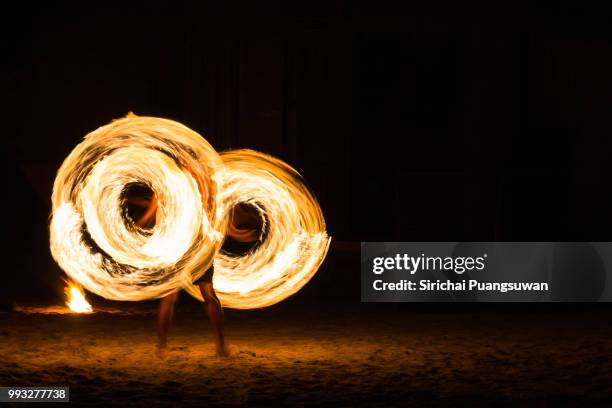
(101, 248)
(293, 240)
(97, 243)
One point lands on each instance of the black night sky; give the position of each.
(409, 125)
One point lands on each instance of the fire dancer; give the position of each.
(244, 229)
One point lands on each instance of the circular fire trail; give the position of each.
(292, 243)
(94, 239)
(100, 245)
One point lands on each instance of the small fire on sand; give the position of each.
(76, 301)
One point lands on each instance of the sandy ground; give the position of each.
(369, 356)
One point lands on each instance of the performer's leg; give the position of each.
(166, 311)
(215, 314)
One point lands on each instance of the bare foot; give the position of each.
(223, 351)
(161, 351)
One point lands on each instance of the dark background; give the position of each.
(428, 123)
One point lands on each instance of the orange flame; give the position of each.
(76, 301)
(196, 190)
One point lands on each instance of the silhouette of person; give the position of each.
(243, 231)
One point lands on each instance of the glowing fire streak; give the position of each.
(76, 299)
(196, 189)
(90, 237)
(295, 242)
